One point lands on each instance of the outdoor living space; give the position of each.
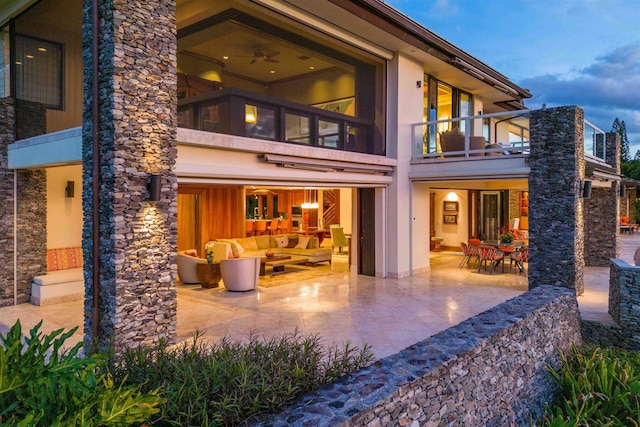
(388, 314)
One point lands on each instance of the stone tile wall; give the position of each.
(489, 370)
(556, 235)
(624, 302)
(138, 239)
(31, 213)
(601, 227)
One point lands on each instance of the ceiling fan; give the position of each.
(258, 54)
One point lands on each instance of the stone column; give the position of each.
(137, 138)
(31, 219)
(602, 220)
(556, 236)
(632, 195)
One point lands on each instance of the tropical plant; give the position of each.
(599, 388)
(44, 384)
(227, 383)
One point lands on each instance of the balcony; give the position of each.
(239, 112)
(472, 138)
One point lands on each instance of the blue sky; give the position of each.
(566, 52)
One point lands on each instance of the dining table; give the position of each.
(505, 248)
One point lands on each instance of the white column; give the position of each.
(405, 89)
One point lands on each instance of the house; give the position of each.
(243, 109)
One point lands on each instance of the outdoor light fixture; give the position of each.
(623, 190)
(68, 191)
(585, 189)
(310, 199)
(155, 187)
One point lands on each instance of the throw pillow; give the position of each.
(263, 241)
(248, 243)
(293, 241)
(303, 241)
(282, 242)
(191, 252)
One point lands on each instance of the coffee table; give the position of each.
(278, 262)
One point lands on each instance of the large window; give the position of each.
(38, 68)
(293, 87)
(443, 102)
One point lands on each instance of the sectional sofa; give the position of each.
(256, 246)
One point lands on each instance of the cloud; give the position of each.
(607, 89)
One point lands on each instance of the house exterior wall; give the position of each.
(137, 138)
(64, 214)
(404, 107)
(624, 302)
(27, 223)
(556, 221)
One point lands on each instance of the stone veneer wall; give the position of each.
(601, 227)
(31, 215)
(137, 110)
(556, 235)
(514, 204)
(624, 302)
(632, 195)
(488, 370)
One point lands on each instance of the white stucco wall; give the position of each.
(404, 106)
(64, 214)
(453, 233)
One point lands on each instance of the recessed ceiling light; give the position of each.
(272, 71)
(225, 57)
(18, 62)
(42, 49)
(29, 56)
(312, 68)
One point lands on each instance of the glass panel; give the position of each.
(465, 109)
(589, 140)
(185, 118)
(5, 88)
(39, 71)
(328, 134)
(260, 122)
(297, 128)
(490, 216)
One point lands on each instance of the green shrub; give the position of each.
(227, 383)
(42, 383)
(599, 388)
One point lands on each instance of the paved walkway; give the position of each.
(388, 314)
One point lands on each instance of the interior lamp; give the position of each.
(310, 199)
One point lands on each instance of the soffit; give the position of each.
(11, 8)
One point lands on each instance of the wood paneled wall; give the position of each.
(220, 213)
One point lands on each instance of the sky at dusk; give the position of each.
(566, 52)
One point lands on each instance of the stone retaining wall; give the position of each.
(488, 370)
(624, 302)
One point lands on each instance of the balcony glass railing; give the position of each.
(238, 112)
(483, 135)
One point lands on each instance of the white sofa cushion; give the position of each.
(59, 276)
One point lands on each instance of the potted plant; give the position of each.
(208, 248)
(506, 236)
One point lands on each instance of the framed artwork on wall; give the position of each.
(450, 206)
(450, 219)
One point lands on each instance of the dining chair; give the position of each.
(491, 254)
(283, 226)
(469, 253)
(249, 228)
(519, 258)
(273, 227)
(259, 228)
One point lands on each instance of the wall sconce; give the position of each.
(585, 189)
(68, 191)
(155, 187)
(623, 190)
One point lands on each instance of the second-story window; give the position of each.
(443, 102)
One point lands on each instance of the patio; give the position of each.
(388, 314)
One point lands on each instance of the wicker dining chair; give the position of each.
(490, 254)
(519, 258)
(469, 253)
